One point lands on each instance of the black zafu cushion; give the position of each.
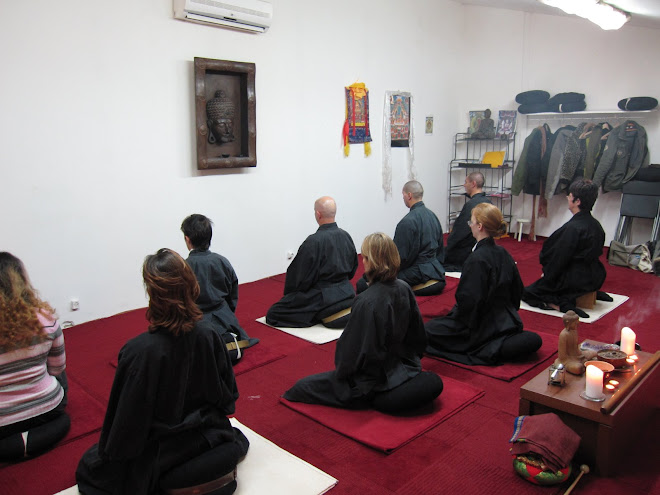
(638, 103)
(206, 467)
(431, 290)
(533, 96)
(566, 98)
(336, 308)
(533, 108)
(416, 392)
(573, 106)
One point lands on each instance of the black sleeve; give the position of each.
(303, 272)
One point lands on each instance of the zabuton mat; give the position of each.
(386, 432)
(510, 371)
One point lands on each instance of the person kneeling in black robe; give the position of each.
(377, 360)
(218, 283)
(570, 257)
(166, 425)
(484, 327)
(318, 280)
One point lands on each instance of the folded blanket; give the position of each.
(571, 106)
(566, 98)
(533, 96)
(533, 108)
(547, 436)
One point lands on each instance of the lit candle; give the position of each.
(594, 387)
(628, 341)
(614, 382)
(609, 387)
(634, 357)
(630, 361)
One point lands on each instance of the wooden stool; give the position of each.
(521, 222)
(586, 301)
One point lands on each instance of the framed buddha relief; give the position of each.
(225, 110)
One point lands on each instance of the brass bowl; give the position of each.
(614, 357)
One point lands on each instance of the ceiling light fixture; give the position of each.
(604, 15)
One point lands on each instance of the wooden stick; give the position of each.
(532, 226)
(583, 469)
(611, 404)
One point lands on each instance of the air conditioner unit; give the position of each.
(249, 15)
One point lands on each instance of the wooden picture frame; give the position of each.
(225, 110)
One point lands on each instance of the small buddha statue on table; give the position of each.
(570, 354)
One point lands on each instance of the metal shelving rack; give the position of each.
(468, 155)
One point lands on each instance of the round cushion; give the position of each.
(336, 308)
(638, 103)
(535, 475)
(431, 290)
(420, 390)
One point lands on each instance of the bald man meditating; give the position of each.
(318, 285)
(418, 237)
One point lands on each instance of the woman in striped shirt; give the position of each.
(32, 362)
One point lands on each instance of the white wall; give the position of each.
(97, 150)
(509, 52)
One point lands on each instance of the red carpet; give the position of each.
(467, 452)
(385, 432)
(509, 371)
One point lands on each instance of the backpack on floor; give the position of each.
(635, 256)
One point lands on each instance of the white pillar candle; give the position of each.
(594, 388)
(628, 341)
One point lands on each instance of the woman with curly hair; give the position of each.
(377, 359)
(483, 327)
(32, 399)
(166, 425)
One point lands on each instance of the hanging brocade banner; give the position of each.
(398, 132)
(356, 127)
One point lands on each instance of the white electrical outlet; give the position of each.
(75, 304)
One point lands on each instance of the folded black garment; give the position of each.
(575, 106)
(566, 98)
(648, 174)
(638, 103)
(533, 96)
(534, 108)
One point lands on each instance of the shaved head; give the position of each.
(325, 209)
(478, 179)
(415, 188)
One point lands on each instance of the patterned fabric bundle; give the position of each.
(356, 127)
(548, 437)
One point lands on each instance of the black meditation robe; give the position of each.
(418, 237)
(379, 349)
(571, 264)
(317, 278)
(218, 292)
(169, 403)
(461, 241)
(486, 310)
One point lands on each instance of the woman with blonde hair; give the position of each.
(166, 427)
(484, 327)
(32, 399)
(377, 359)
